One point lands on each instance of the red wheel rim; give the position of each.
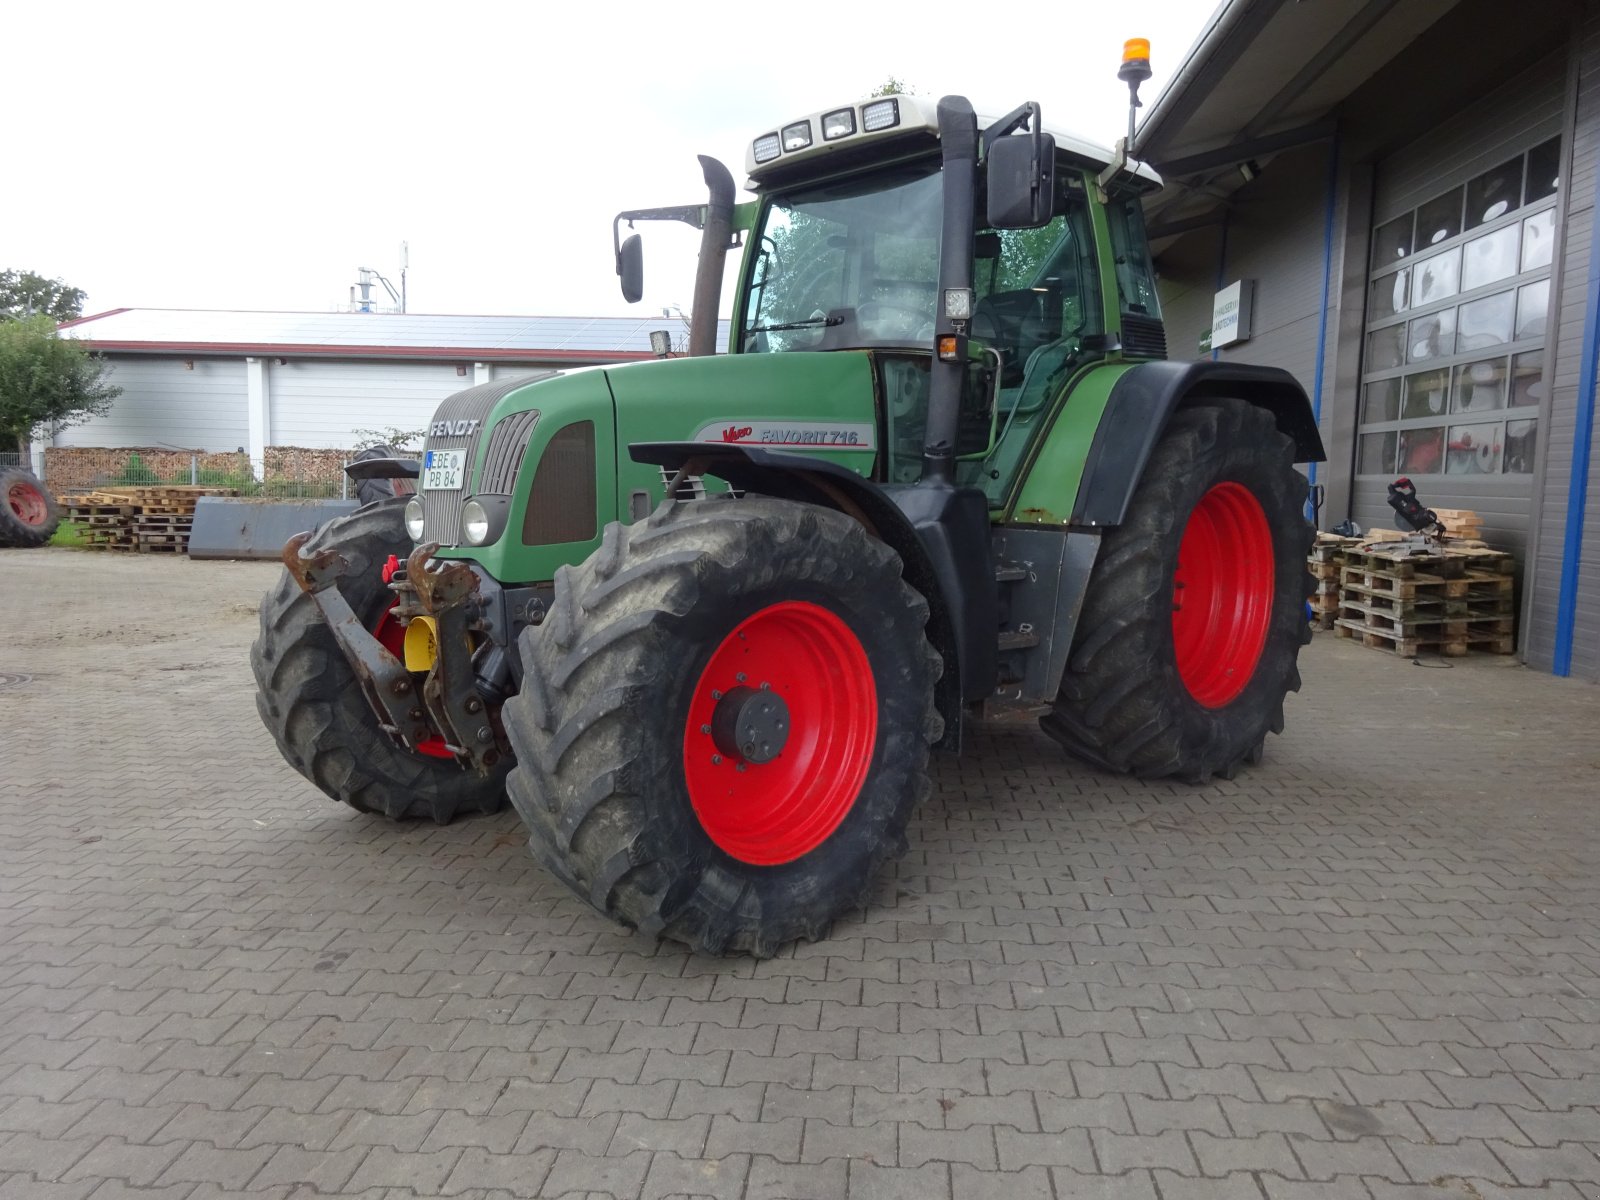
(1222, 594)
(775, 811)
(27, 503)
(393, 636)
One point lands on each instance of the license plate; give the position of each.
(443, 470)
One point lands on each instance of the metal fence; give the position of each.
(288, 473)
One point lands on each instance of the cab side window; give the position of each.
(1136, 278)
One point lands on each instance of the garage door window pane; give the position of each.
(1473, 449)
(1486, 322)
(1520, 443)
(1479, 386)
(1425, 394)
(1494, 193)
(1392, 241)
(1384, 348)
(1383, 402)
(1377, 454)
(1436, 278)
(1438, 219)
(1544, 170)
(1422, 451)
(1538, 237)
(1389, 295)
(1532, 302)
(1489, 259)
(1527, 379)
(1434, 335)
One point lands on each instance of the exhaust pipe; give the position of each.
(716, 236)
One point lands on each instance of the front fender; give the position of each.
(940, 533)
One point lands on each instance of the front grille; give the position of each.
(507, 444)
(441, 511)
(1143, 337)
(561, 501)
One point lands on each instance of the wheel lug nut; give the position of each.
(705, 729)
(739, 767)
(715, 694)
(765, 686)
(740, 677)
(716, 760)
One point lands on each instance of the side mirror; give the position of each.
(630, 266)
(1020, 174)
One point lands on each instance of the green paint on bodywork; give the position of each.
(671, 400)
(574, 396)
(1052, 474)
(712, 399)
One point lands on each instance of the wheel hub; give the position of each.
(751, 724)
(27, 502)
(780, 732)
(1223, 590)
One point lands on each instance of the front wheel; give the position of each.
(311, 703)
(724, 722)
(1195, 614)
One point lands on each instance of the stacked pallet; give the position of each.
(141, 519)
(1448, 599)
(1325, 563)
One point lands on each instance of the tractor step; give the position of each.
(1003, 710)
(1009, 572)
(1016, 639)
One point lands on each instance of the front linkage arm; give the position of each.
(448, 594)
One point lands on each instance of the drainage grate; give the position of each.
(13, 679)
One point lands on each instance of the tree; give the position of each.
(25, 294)
(892, 87)
(45, 378)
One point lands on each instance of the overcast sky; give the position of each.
(223, 155)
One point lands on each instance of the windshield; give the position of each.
(849, 263)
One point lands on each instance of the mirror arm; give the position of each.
(1017, 118)
(689, 214)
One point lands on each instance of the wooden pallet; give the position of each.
(1409, 645)
(154, 519)
(1449, 597)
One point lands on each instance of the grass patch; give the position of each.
(70, 533)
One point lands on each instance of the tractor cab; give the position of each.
(843, 252)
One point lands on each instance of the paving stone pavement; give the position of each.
(1368, 968)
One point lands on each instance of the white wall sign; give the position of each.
(1230, 313)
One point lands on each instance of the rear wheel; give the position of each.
(1195, 614)
(724, 722)
(28, 513)
(309, 699)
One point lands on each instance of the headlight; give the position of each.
(838, 124)
(767, 147)
(414, 519)
(797, 136)
(880, 114)
(474, 523)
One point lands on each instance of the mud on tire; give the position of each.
(1123, 702)
(309, 699)
(602, 724)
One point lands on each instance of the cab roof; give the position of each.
(915, 117)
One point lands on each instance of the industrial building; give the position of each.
(1395, 201)
(222, 381)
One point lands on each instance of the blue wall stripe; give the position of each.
(1578, 480)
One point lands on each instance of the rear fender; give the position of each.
(934, 530)
(1143, 400)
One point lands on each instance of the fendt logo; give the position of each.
(452, 428)
(736, 433)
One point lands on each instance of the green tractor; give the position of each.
(703, 619)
